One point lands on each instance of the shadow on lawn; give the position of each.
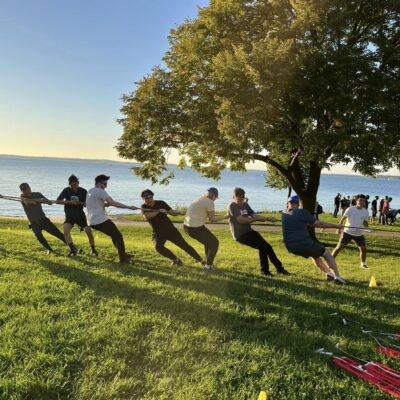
(257, 309)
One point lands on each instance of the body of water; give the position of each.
(49, 176)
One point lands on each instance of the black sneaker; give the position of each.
(128, 258)
(266, 273)
(282, 271)
(178, 262)
(74, 252)
(94, 253)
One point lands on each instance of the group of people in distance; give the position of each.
(381, 211)
(295, 223)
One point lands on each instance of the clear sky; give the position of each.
(65, 64)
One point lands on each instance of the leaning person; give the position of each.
(164, 229)
(197, 214)
(241, 216)
(297, 239)
(96, 200)
(354, 217)
(74, 198)
(32, 204)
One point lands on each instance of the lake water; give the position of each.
(49, 176)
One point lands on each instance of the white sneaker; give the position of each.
(210, 268)
(364, 266)
(340, 281)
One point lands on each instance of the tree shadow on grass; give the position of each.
(256, 310)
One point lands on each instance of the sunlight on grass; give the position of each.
(87, 328)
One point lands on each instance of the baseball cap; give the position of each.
(213, 190)
(294, 199)
(101, 178)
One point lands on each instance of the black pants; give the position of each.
(46, 225)
(110, 229)
(204, 236)
(256, 241)
(176, 238)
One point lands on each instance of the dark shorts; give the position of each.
(79, 220)
(374, 212)
(313, 250)
(345, 239)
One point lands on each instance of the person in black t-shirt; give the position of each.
(164, 229)
(74, 197)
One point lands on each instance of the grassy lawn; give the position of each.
(87, 328)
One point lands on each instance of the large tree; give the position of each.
(297, 84)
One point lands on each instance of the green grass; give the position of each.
(87, 328)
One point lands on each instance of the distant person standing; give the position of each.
(385, 209)
(374, 210)
(344, 204)
(196, 216)
(354, 217)
(241, 216)
(381, 217)
(297, 239)
(336, 204)
(32, 204)
(74, 198)
(366, 201)
(96, 200)
(164, 229)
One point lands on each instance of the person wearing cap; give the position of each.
(74, 198)
(354, 217)
(297, 239)
(164, 229)
(197, 214)
(241, 216)
(32, 204)
(96, 200)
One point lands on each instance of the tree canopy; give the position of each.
(297, 84)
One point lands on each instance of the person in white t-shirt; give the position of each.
(196, 216)
(96, 199)
(355, 217)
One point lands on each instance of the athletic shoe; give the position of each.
(210, 268)
(340, 281)
(364, 266)
(48, 252)
(266, 273)
(128, 258)
(94, 253)
(330, 277)
(74, 252)
(282, 271)
(178, 262)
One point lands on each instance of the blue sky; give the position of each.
(65, 64)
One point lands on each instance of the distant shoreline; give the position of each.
(133, 163)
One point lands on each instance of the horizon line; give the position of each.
(135, 162)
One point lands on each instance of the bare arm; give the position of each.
(148, 215)
(253, 218)
(176, 212)
(213, 218)
(116, 204)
